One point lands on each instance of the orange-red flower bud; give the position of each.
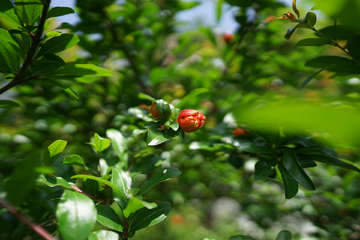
(191, 120)
(289, 16)
(154, 110)
(229, 37)
(240, 131)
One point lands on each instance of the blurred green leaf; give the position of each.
(107, 217)
(149, 217)
(290, 184)
(305, 161)
(119, 144)
(192, 95)
(123, 182)
(103, 235)
(135, 204)
(28, 11)
(146, 97)
(219, 4)
(263, 169)
(9, 52)
(59, 11)
(241, 237)
(53, 151)
(52, 181)
(58, 44)
(101, 143)
(76, 216)
(284, 235)
(341, 32)
(295, 170)
(309, 20)
(290, 32)
(22, 180)
(8, 104)
(160, 176)
(7, 13)
(353, 46)
(312, 42)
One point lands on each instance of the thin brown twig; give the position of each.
(37, 228)
(19, 77)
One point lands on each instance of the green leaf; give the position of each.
(326, 156)
(59, 11)
(241, 237)
(336, 64)
(308, 79)
(103, 235)
(341, 32)
(76, 216)
(263, 169)
(77, 71)
(100, 180)
(107, 217)
(312, 42)
(192, 95)
(146, 97)
(295, 170)
(160, 176)
(174, 126)
(219, 9)
(123, 182)
(156, 136)
(58, 44)
(101, 143)
(77, 161)
(119, 144)
(9, 52)
(135, 204)
(28, 11)
(53, 181)
(353, 46)
(305, 161)
(22, 179)
(8, 104)
(22, 39)
(309, 20)
(290, 32)
(284, 235)
(291, 186)
(149, 217)
(295, 8)
(145, 164)
(53, 151)
(7, 13)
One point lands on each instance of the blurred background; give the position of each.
(230, 53)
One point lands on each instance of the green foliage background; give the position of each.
(216, 196)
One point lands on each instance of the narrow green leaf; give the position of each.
(103, 235)
(146, 97)
(135, 204)
(9, 52)
(312, 42)
(123, 182)
(327, 157)
(53, 181)
(263, 169)
(76, 216)
(160, 176)
(7, 13)
(119, 144)
(291, 186)
(241, 237)
(295, 170)
(284, 235)
(107, 217)
(219, 9)
(149, 217)
(59, 11)
(53, 152)
(79, 70)
(8, 104)
(58, 44)
(101, 143)
(308, 79)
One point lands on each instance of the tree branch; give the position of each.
(37, 228)
(19, 77)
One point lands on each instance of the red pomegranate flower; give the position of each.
(191, 120)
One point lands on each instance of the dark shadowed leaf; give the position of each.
(59, 11)
(241, 237)
(107, 217)
(263, 169)
(353, 46)
(291, 186)
(58, 44)
(312, 42)
(284, 235)
(148, 217)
